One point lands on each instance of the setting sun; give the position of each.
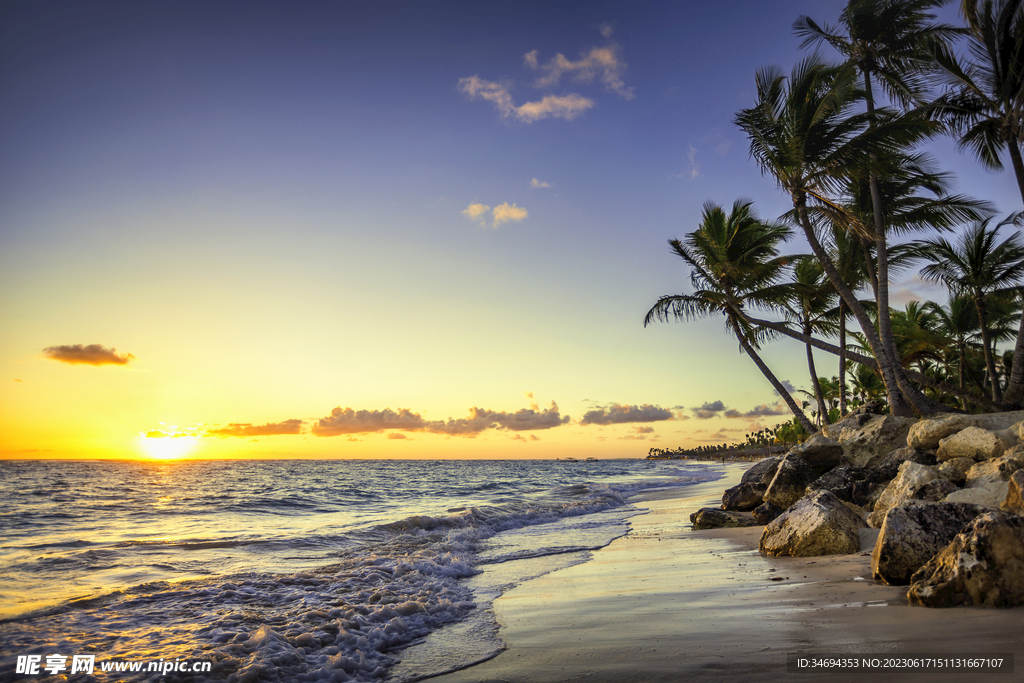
(167, 447)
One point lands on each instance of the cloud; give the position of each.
(643, 430)
(397, 435)
(93, 354)
(694, 166)
(293, 426)
(787, 385)
(708, 410)
(348, 421)
(565, 107)
(606, 29)
(763, 410)
(618, 414)
(602, 63)
(502, 213)
(536, 184)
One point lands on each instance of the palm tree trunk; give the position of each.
(898, 405)
(1018, 165)
(1015, 387)
(770, 376)
(986, 344)
(822, 410)
(842, 358)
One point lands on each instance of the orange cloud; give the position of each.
(93, 354)
(293, 426)
(618, 414)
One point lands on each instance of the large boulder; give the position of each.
(955, 469)
(913, 533)
(766, 512)
(1014, 501)
(818, 524)
(820, 452)
(790, 481)
(844, 481)
(743, 497)
(909, 479)
(991, 495)
(995, 470)
(983, 566)
(935, 490)
(762, 471)
(974, 442)
(868, 444)
(713, 518)
(927, 433)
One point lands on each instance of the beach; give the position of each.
(667, 603)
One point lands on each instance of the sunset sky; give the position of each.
(379, 229)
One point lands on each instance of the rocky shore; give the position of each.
(944, 493)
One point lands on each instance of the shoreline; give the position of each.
(668, 603)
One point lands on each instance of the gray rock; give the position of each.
(854, 420)
(867, 445)
(766, 512)
(935, 490)
(761, 471)
(820, 452)
(818, 524)
(973, 442)
(913, 533)
(743, 497)
(955, 469)
(843, 481)
(1015, 494)
(991, 495)
(890, 465)
(790, 481)
(995, 470)
(909, 479)
(983, 566)
(713, 518)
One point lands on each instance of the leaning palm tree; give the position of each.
(888, 42)
(802, 131)
(978, 266)
(734, 262)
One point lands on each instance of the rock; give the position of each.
(927, 433)
(997, 421)
(972, 442)
(935, 490)
(991, 495)
(868, 445)
(713, 518)
(842, 481)
(820, 452)
(995, 470)
(983, 566)
(790, 481)
(743, 497)
(909, 479)
(913, 533)
(854, 420)
(955, 469)
(761, 471)
(818, 524)
(890, 465)
(766, 512)
(1015, 494)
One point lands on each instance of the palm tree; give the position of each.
(888, 41)
(958, 322)
(803, 133)
(734, 261)
(810, 304)
(979, 267)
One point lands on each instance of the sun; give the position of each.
(167, 447)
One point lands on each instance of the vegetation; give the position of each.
(844, 142)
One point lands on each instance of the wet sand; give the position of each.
(667, 603)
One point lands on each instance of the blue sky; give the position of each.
(269, 205)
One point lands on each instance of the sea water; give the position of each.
(292, 570)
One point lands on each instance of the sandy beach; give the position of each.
(667, 603)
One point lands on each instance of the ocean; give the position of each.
(290, 570)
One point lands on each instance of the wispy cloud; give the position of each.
(93, 354)
(537, 184)
(619, 414)
(602, 63)
(565, 107)
(643, 430)
(293, 426)
(694, 166)
(502, 213)
(607, 29)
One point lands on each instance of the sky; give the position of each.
(379, 229)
